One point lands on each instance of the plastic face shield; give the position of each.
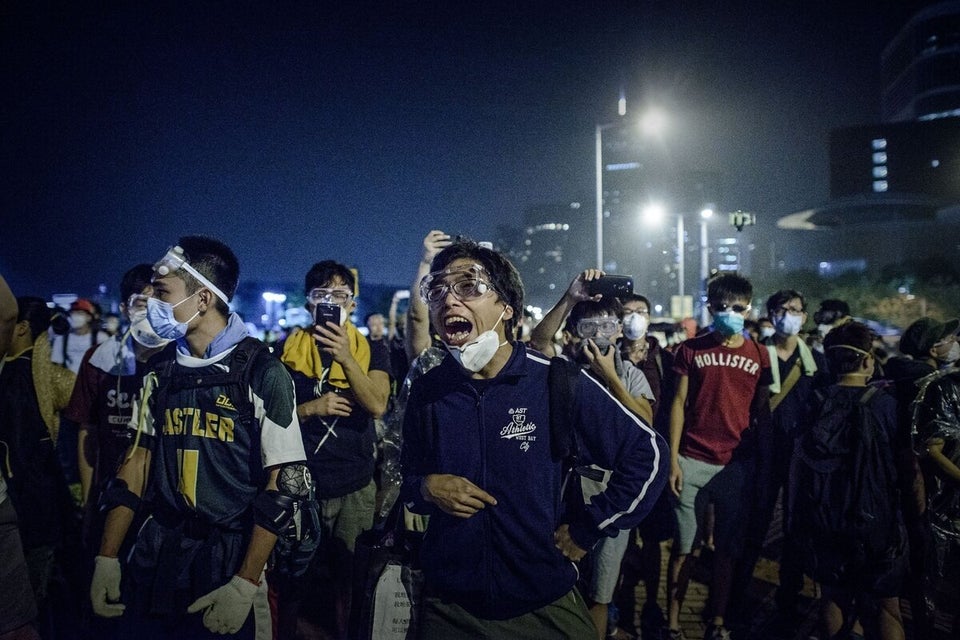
(465, 282)
(174, 260)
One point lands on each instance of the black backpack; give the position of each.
(295, 548)
(843, 495)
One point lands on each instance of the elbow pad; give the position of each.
(273, 510)
(118, 494)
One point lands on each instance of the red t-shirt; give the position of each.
(722, 382)
(101, 403)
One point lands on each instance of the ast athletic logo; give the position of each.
(519, 429)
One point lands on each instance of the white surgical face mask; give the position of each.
(79, 319)
(789, 324)
(952, 355)
(767, 332)
(635, 326)
(475, 355)
(164, 322)
(143, 333)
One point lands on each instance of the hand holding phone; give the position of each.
(325, 312)
(611, 286)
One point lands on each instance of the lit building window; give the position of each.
(880, 172)
(880, 157)
(879, 144)
(934, 163)
(879, 186)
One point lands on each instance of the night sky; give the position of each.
(302, 131)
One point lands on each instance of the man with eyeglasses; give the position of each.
(499, 554)
(722, 390)
(590, 334)
(341, 386)
(797, 372)
(214, 425)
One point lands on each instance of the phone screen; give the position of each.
(326, 312)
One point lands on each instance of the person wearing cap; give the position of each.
(68, 349)
(216, 438)
(342, 385)
(935, 423)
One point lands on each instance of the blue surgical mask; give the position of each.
(164, 323)
(728, 323)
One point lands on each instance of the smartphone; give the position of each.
(611, 286)
(326, 312)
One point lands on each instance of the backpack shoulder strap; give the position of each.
(562, 383)
(868, 395)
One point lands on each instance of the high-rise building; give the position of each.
(894, 191)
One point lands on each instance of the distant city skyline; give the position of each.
(309, 131)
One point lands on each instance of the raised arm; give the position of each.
(417, 336)
(541, 338)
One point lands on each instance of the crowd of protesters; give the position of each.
(166, 475)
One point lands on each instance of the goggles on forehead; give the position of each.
(174, 260)
(470, 283)
(589, 327)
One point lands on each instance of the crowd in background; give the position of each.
(735, 407)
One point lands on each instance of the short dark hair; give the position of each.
(216, 261)
(728, 285)
(35, 312)
(782, 297)
(503, 275)
(608, 305)
(327, 271)
(636, 297)
(367, 317)
(135, 280)
(852, 334)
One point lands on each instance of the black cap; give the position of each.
(923, 334)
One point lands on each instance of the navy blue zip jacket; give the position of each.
(502, 562)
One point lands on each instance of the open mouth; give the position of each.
(457, 330)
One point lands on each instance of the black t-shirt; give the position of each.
(341, 451)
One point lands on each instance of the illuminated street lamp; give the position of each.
(653, 123)
(654, 214)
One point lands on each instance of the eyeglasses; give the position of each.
(589, 327)
(794, 311)
(174, 260)
(336, 296)
(469, 286)
(723, 306)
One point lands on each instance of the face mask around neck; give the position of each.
(475, 355)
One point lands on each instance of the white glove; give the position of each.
(105, 587)
(226, 607)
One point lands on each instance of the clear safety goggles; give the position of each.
(469, 284)
(174, 260)
(336, 296)
(590, 327)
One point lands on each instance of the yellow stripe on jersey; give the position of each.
(189, 460)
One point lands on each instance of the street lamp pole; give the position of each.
(680, 262)
(705, 215)
(599, 149)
